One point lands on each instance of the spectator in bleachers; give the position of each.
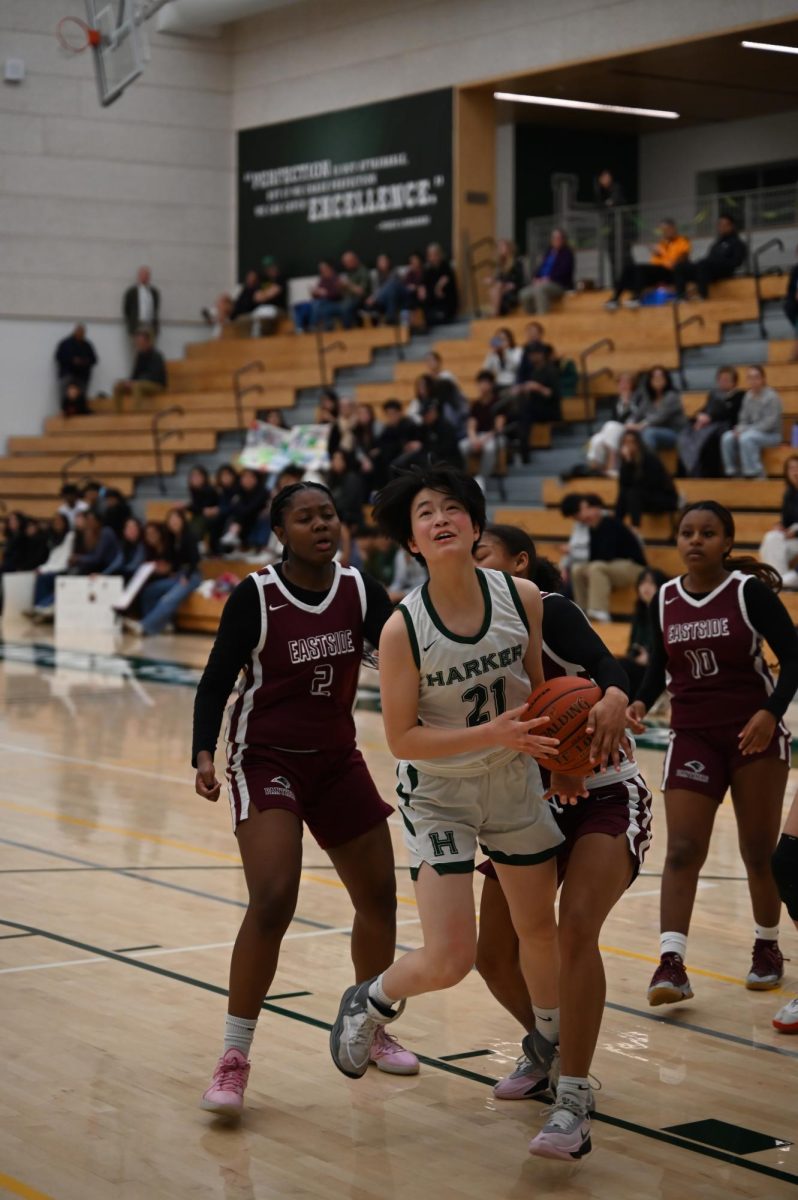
(93, 494)
(779, 547)
(434, 364)
(342, 429)
(61, 540)
(641, 637)
(24, 544)
(355, 285)
(537, 389)
(438, 291)
(177, 576)
(245, 302)
(699, 441)
(202, 504)
(670, 250)
(423, 391)
(413, 282)
(148, 377)
(246, 512)
(76, 358)
(658, 416)
(553, 276)
(758, 426)
(386, 297)
(503, 358)
(577, 548)
(616, 234)
(73, 399)
(96, 546)
(644, 485)
(615, 559)
(132, 551)
(71, 503)
(453, 403)
(273, 416)
(602, 449)
(115, 511)
(408, 573)
(484, 428)
(141, 305)
(438, 437)
(399, 435)
(726, 255)
(346, 486)
(220, 313)
(328, 297)
(218, 515)
(274, 285)
(506, 283)
(791, 307)
(261, 298)
(327, 407)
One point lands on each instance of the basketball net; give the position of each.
(75, 35)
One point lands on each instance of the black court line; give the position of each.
(438, 1064)
(464, 1054)
(642, 1014)
(288, 995)
(6, 937)
(130, 949)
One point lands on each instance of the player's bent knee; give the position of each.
(784, 864)
(578, 931)
(273, 911)
(684, 854)
(452, 967)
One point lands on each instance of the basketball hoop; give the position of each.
(75, 36)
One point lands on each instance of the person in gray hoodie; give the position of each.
(658, 415)
(758, 426)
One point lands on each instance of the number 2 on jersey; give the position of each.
(322, 681)
(479, 696)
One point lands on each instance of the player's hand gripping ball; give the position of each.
(568, 700)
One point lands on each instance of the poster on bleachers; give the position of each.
(270, 449)
(375, 179)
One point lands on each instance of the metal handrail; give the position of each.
(322, 351)
(471, 266)
(159, 436)
(586, 377)
(255, 365)
(84, 454)
(239, 396)
(678, 326)
(755, 256)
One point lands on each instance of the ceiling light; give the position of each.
(770, 46)
(550, 102)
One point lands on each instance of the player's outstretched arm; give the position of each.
(408, 740)
(529, 594)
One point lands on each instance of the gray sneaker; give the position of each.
(545, 1055)
(527, 1080)
(355, 1028)
(566, 1134)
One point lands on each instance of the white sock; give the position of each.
(576, 1086)
(766, 933)
(238, 1034)
(380, 996)
(547, 1022)
(673, 943)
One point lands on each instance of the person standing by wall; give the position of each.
(141, 305)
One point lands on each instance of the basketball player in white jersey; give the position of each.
(457, 662)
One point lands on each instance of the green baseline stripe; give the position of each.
(618, 1122)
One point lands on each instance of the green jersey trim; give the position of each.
(455, 637)
(520, 860)
(452, 868)
(411, 633)
(519, 607)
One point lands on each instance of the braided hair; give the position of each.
(540, 570)
(284, 497)
(743, 562)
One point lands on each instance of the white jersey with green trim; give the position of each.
(467, 681)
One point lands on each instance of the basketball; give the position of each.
(569, 700)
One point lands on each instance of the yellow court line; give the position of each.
(143, 836)
(17, 1188)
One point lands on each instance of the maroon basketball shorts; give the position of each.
(621, 809)
(705, 762)
(331, 792)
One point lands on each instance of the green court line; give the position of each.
(617, 1122)
(465, 1054)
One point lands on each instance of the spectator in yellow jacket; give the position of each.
(672, 248)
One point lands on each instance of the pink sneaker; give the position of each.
(388, 1055)
(225, 1096)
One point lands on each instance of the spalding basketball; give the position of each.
(568, 700)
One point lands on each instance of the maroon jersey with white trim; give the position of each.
(298, 689)
(715, 674)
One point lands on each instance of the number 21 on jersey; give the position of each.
(478, 697)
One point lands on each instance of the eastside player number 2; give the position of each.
(321, 684)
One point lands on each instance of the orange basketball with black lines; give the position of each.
(568, 701)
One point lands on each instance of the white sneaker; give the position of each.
(566, 1134)
(790, 580)
(611, 305)
(631, 303)
(597, 614)
(786, 1019)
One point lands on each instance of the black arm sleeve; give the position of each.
(378, 609)
(653, 684)
(238, 634)
(568, 633)
(771, 620)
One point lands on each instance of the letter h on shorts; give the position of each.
(440, 842)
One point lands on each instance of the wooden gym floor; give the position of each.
(121, 898)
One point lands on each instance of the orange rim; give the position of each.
(75, 36)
